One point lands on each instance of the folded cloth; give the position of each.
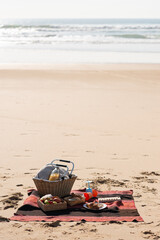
(45, 172)
(123, 210)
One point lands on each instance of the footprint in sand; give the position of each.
(93, 230)
(90, 151)
(112, 182)
(3, 219)
(144, 179)
(146, 189)
(4, 178)
(138, 196)
(116, 222)
(17, 225)
(65, 233)
(71, 135)
(150, 173)
(28, 230)
(53, 224)
(149, 234)
(12, 201)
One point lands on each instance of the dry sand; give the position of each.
(105, 118)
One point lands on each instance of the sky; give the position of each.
(79, 9)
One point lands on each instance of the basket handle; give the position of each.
(61, 160)
(61, 165)
(67, 161)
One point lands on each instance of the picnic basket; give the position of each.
(59, 188)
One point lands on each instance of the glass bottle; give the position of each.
(54, 174)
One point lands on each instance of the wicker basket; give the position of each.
(52, 207)
(60, 188)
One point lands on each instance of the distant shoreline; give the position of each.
(83, 67)
(113, 19)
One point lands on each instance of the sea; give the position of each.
(82, 41)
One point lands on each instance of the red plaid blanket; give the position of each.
(123, 210)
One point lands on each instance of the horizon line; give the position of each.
(78, 18)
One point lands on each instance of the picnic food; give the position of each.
(49, 199)
(51, 203)
(93, 205)
(74, 199)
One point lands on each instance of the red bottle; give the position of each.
(89, 195)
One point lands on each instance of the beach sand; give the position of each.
(105, 118)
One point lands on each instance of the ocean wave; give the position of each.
(79, 33)
(84, 27)
(56, 40)
(136, 36)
